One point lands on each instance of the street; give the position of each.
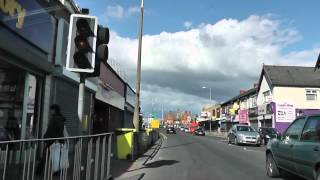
(184, 156)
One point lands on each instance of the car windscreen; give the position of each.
(245, 128)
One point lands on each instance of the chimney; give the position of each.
(242, 91)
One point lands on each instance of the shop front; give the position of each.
(265, 115)
(26, 45)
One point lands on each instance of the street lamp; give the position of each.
(204, 87)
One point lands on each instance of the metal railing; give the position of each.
(67, 158)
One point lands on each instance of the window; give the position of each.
(267, 96)
(295, 129)
(311, 94)
(311, 131)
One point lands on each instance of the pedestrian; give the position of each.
(55, 130)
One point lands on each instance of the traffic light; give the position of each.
(82, 43)
(102, 51)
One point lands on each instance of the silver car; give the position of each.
(244, 134)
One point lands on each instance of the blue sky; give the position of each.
(219, 44)
(169, 15)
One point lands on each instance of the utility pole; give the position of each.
(162, 113)
(138, 76)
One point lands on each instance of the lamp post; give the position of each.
(204, 87)
(138, 76)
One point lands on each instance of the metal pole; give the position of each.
(210, 95)
(81, 96)
(162, 113)
(138, 76)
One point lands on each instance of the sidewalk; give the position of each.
(120, 169)
(217, 134)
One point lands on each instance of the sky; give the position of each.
(221, 45)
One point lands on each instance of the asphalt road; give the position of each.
(183, 156)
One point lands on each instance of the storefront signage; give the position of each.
(285, 112)
(243, 116)
(30, 20)
(110, 97)
(14, 10)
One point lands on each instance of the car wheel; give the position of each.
(271, 166)
(236, 141)
(317, 174)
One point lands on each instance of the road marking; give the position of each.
(164, 136)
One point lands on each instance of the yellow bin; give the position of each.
(125, 143)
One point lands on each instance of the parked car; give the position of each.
(243, 134)
(181, 129)
(199, 132)
(267, 133)
(297, 150)
(186, 129)
(171, 130)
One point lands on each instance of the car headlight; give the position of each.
(267, 136)
(240, 135)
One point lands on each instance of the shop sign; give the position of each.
(110, 97)
(28, 19)
(243, 116)
(285, 112)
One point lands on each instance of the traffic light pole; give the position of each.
(81, 96)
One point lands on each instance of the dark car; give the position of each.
(267, 133)
(171, 130)
(199, 132)
(297, 150)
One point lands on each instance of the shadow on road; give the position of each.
(160, 163)
(156, 164)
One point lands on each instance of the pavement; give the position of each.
(184, 156)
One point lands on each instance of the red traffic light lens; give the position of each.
(82, 44)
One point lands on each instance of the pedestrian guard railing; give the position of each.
(66, 158)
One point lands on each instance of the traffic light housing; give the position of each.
(102, 51)
(81, 51)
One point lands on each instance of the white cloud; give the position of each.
(133, 10)
(226, 56)
(118, 12)
(187, 24)
(114, 12)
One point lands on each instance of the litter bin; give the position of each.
(125, 143)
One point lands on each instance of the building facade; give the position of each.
(286, 92)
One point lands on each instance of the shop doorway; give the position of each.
(20, 99)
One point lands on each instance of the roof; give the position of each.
(294, 76)
(240, 96)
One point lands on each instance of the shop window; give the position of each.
(18, 103)
(311, 95)
(11, 101)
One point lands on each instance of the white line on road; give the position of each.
(164, 136)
